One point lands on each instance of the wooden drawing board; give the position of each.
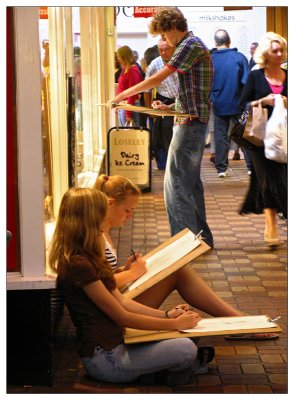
(150, 111)
(140, 336)
(202, 248)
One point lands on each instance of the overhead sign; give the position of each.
(43, 12)
(144, 12)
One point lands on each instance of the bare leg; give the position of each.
(271, 223)
(195, 292)
(192, 289)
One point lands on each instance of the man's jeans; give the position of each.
(183, 188)
(125, 363)
(222, 141)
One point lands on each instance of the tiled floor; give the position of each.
(240, 268)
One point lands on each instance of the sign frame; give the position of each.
(146, 186)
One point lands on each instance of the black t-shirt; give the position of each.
(93, 326)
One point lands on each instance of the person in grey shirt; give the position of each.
(162, 129)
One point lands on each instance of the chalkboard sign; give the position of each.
(129, 155)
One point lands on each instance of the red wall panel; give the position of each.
(11, 157)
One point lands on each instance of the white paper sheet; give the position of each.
(232, 323)
(168, 256)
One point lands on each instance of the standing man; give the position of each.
(166, 92)
(253, 47)
(230, 75)
(183, 188)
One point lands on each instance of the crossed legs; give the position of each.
(192, 289)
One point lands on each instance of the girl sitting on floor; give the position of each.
(123, 196)
(101, 313)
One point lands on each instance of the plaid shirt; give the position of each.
(192, 61)
(168, 87)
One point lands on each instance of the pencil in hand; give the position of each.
(134, 255)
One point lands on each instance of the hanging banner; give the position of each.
(43, 12)
(144, 12)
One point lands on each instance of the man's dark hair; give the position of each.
(150, 54)
(222, 37)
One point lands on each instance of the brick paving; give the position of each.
(240, 268)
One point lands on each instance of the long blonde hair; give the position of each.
(79, 226)
(116, 187)
(264, 46)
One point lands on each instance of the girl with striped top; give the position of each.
(123, 196)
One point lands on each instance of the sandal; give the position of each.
(205, 354)
(252, 336)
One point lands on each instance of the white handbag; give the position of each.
(276, 131)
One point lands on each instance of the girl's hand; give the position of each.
(138, 268)
(178, 310)
(131, 259)
(187, 320)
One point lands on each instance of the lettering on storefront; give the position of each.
(137, 12)
(144, 12)
(43, 12)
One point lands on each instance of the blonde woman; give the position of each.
(268, 185)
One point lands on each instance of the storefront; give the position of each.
(60, 67)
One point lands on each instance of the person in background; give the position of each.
(253, 47)
(166, 92)
(149, 55)
(99, 311)
(130, 76)
(230, 74)
(123, 196)
(136, 55)
(118, 68)
(183, 188)
(267, 193)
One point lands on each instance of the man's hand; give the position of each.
(159, 105)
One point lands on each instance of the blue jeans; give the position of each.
(125, 363)
(247, 159)
(183, 188)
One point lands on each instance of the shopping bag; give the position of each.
(237, 131)
(276, 131)
(254, 130)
